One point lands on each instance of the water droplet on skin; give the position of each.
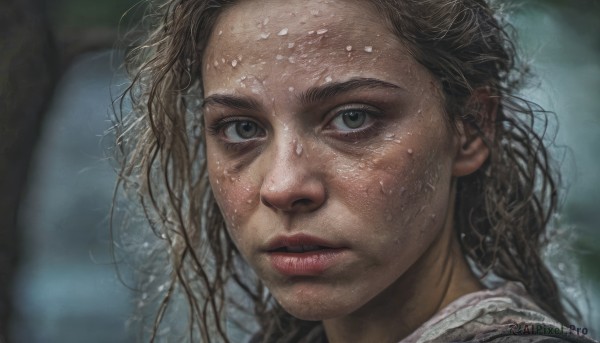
(298, 149)
(266, 21)
(216, 63)
(321, 31)
(368, 48)
(432, 187)
(349, 48)
(145, 245)
(389, 137)
(279, 57)
(264, 35)
(161, 288)
(291, 45)
(328, 79)
(283, 32)
(291, 89)
(220, 32)
(314, 12)
(291, 59)
(409, 151)
(249, 201)
(271, 188)
(163, 236)
(311, 32)
(222, 60)
(234, 63)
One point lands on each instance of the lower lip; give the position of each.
(310, 263)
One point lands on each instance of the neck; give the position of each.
(440, 276)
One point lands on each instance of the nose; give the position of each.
(292, 182)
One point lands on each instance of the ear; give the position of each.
(476, 125)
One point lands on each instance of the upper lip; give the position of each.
(297, 240)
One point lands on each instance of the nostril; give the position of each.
(301, 203)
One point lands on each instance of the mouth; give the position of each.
(299, 248)
(303, 255)
(299, 243)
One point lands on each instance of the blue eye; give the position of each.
(241, 130)
(350, 120)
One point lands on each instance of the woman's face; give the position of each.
(328, 151)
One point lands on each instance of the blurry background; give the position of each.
(58, 73)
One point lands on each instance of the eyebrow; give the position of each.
(311, 96)
(321, 93)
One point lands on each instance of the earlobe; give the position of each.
(474, 132)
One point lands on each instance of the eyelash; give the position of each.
(217, 128)
(372, 116)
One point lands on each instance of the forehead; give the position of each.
(309, 38)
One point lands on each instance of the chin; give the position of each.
(316, 308)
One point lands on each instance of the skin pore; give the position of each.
(320, 122)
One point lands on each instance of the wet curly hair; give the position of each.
(502, 211)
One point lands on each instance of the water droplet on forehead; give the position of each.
(266, 21)
(349, 48)
(291, 89)
(279, 57)
(368, 48)
(283, 32)
(328, 79)
(220, 32)
(234, 63)
(223, 60)
(311, 32)
(409, 151)
(321, 31)
(291, 45)
(265, 35)
(216, 63)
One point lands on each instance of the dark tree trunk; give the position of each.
(28, 73)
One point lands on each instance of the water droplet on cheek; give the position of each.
(299, 149)
(409, 151)
(283, 32)
(368, 48)
(321, 31)
(328, 79)
(234, 63)
(349, 48)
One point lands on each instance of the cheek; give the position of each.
(403, 193)
(236, 196)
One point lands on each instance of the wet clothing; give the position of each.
(505, 314)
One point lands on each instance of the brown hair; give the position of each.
(502, 211)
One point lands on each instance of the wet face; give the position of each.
(328, 150)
